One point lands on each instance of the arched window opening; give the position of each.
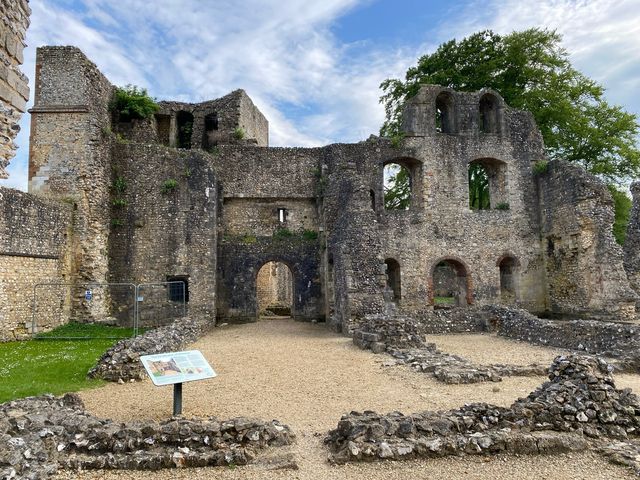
(393, 279)
(397, 187)
(274, 286)
(487, 185)
(210, 139)
(508, 279)
(450, 284)
(488, 114)
(184, 121)
(444, 113)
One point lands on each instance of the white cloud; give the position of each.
(602, 36)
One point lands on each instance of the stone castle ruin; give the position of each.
(196, 194)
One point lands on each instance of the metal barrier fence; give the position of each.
(160, 303)
(74, 307)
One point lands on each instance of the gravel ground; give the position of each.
(485, 349)
(307, 377)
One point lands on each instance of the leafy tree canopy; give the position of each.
(532, 71)
(133, 102)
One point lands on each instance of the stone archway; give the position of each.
(451, 284)
(274, 290)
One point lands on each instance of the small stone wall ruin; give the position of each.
(577, 405)
(41, 435)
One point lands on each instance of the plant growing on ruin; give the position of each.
(249, 239)
(116, 222)
(169, 185)
(503, 206)
(131, 102)
(239, 133)
(309, 234)
(281, 233)
(119, 202)
(187, 172)
(119, 185)
(540, 167)
(214, 150)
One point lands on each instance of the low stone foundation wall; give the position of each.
(579, 402)
(591, 336)
(122, 361)
(403, 339)
(40, 435)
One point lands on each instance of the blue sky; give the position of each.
(313, 66)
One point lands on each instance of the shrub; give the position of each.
(540, 167)
(282, 233)
(239, 133)
(119, 202)
(309, 234)
(119, 185)
(169, 185)
(131, 102)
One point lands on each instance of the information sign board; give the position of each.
(88, 295)
(177, 367)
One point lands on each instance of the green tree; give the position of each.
(397, 187)
(131, 102)
(479, 198)
(623, 206)
(531, 71)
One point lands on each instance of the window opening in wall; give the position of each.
(397, 187)
(488, 184)
(210, 139)
(450, 284)
(508, 279)
(184, 122)
(488, 114)
(163, 125)
(274, 287)
(282, 215)
(180, 289)
(393, 279)
(444, 113)
(479, 196)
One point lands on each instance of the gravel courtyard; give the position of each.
(306, 376)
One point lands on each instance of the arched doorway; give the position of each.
(393, 278)
(450, 283)
(274, 287)
(508, 279)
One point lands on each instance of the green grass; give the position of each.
(444, 301)
(46, 365)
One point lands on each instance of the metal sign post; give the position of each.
(176, 368)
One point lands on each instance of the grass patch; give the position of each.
(444, 301)
(46, 365)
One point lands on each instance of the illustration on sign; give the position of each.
(88, 295)
(177, 367)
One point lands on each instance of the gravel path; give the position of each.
(484, 349)
(308, 377)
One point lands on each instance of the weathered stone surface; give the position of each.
(14, 89)
(579, 402)
(42, 434)
(632, 242)
(403, 338)
(122, 361)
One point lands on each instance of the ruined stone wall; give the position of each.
(14, 86)
(69, 155)
(584, 264)
(158, 232)
(255, 183)
(632, 243)
(232, 119)
(35, 242)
